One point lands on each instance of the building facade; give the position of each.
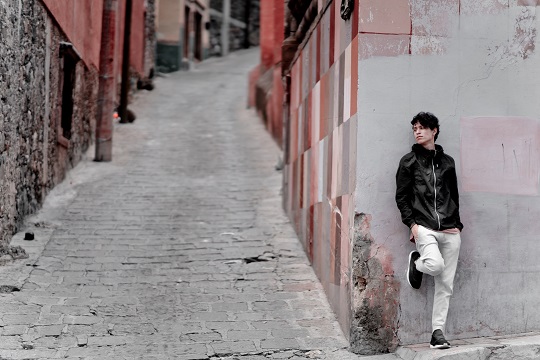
(354, 73)
(266, 83)
(48, 89)
(182, 33)
(243, 25)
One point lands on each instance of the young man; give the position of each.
(427, 197)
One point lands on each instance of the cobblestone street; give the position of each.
(177, 249)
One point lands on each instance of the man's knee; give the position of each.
(435, 266)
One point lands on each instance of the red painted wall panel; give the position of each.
(137, 36)
(136, 47)
(81, 22)
(267, 33)
(279, 18)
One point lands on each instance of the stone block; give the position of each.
(385, 17)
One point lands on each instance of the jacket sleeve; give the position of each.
(454, 195)
(404, 192)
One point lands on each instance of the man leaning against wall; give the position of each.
(428, 200)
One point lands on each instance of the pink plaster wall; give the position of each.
(267, 29)
(137, 36)
(136, 47)
(500, 154)
(81, 22)
(385, 16)
(374, 45)
(170, 16)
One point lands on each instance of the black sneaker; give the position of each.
(438, 341)
(414, 276)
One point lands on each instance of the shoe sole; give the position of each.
(408, 271)
(445, 346)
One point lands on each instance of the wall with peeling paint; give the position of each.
(475, 65)
(354, 87)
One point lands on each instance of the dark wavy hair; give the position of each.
(427, 119)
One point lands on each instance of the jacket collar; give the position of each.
(422, 151)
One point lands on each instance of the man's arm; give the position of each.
(404, 184)
(454, 195)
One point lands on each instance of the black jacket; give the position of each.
(427, 192)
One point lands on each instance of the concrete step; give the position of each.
(518, 347)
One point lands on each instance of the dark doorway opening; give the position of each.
(198, 37)
(187, 28)
(69, 66)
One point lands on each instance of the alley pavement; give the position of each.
(177, 249)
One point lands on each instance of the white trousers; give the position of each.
(439, 253)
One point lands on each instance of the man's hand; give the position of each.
(414, 231)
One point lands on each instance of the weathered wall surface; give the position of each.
(168, 20)
(32, 160)
(81, 22)
(150, 40)
(320, 170)
(354, 87)
(266, 85)
(170, 33)
(137, 38)
(474, 64)
(182, 37)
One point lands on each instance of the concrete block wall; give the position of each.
(32, 160)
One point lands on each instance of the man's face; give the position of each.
(423, 135)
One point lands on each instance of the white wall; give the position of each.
(486, 64)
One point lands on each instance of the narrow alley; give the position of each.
(177, 249)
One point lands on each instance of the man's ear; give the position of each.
(436, 131)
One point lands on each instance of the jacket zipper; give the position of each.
(435, 198)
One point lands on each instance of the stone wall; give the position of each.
(237, 34)
(32, 160)
(150, 38)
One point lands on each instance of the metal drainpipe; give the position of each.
(106, 92)
(225, 27)
(124, 90)
(247, 15)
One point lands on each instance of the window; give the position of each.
(68, 65)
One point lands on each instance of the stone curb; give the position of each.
(521, 346)
(14, 273)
